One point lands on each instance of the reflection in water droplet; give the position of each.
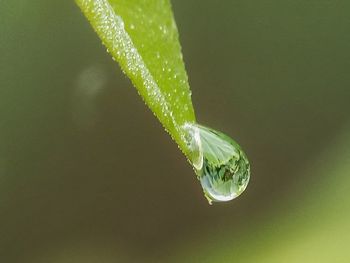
(220, 164)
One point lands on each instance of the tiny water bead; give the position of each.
(220, 164)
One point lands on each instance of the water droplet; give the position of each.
(220, 164)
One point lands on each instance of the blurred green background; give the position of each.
(87, 174)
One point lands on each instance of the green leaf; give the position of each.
(142, 36)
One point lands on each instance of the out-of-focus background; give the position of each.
(87, 174)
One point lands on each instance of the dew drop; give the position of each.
(219, 162)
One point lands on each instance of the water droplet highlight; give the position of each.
(220, 164)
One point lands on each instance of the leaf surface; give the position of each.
(142, 36)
